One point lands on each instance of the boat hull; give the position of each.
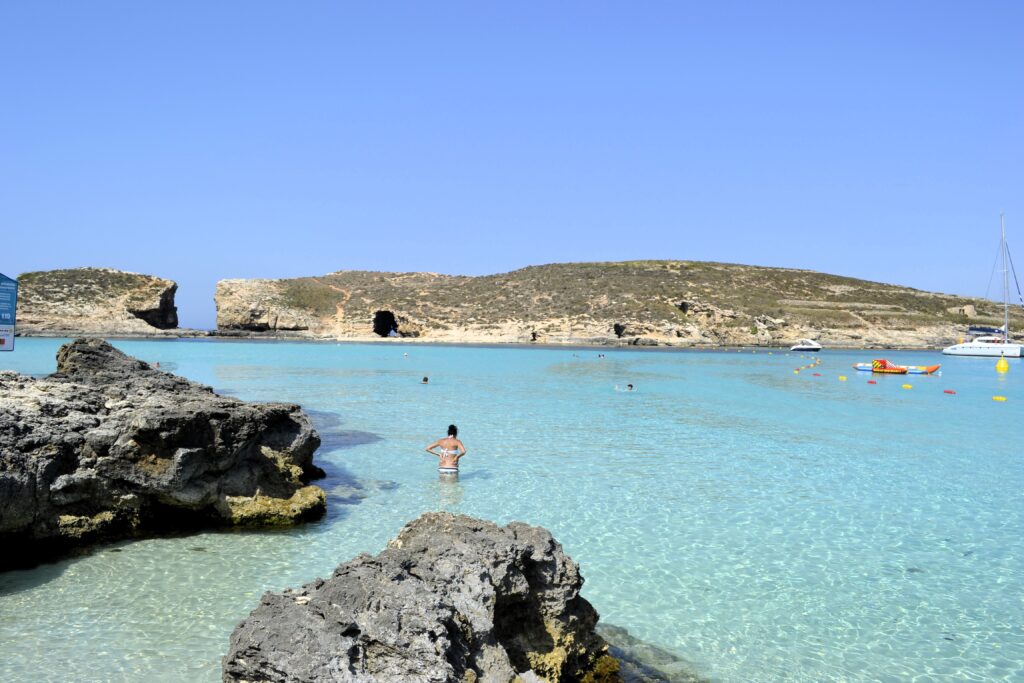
(986, 350)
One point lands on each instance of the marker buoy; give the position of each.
(999, 398)
(1002, 366)
(817, 374)
(948, 391)
(842, 378)
(871, 381)
(796, 372)
(908, 386)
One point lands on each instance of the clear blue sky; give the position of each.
(208, 140)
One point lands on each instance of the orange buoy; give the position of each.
(871, 381)
(948, 391)
(817, 374)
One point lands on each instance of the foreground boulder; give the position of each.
(452, 598)
(108, 447)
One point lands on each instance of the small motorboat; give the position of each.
(806, 345)
(885, 367)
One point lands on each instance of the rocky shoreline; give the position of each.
(109, 448)
(278, 336)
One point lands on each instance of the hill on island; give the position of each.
(637, 302)
(94, 301)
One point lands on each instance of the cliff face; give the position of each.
(95, 301)
(640, 302)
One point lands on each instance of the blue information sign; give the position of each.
(8, 311)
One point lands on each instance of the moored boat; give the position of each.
(995, 341)
(882, 366)
(985, 346)
(806, 345)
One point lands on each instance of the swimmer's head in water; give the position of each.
(426, 379)
(630, 387)
(453, 430)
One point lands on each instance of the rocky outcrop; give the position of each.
(108, 447)
(95, 301)
(452, 598)
(676, 303)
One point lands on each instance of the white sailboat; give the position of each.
(994, 345)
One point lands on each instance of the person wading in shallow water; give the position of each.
(451, 452)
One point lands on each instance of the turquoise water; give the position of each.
(761, 524)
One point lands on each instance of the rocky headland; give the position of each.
(643, 303)
(91, 302)
(452, 598)
(109, 447)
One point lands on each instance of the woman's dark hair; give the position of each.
(453, 430)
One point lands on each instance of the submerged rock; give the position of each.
(108, 447)
(452, 598)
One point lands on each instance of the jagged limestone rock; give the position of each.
(451, 599)
(108, 447)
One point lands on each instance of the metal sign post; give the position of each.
(8, 311)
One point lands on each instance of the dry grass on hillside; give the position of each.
(641, 291)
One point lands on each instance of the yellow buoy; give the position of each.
(908, 386)
(796, 372)
(842, 378)
(1002, 365)
(999, 398)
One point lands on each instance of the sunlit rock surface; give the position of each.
(108, 447)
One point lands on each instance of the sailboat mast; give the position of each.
(1006, 281)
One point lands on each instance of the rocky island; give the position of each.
(96, 302)
(451, 599)
(676, 303)
(109, 447)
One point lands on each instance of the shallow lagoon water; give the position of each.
(761, 524)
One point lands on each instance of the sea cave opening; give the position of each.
(385, 324)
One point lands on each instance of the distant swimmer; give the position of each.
(451, 452)
(426, 380)
(629, 387)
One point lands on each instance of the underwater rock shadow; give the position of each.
(346, 438)
(21, 579)
(643, 662)
(333, 437)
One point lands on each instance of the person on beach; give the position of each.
(451, 452)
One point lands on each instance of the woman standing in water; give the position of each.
(451, 452)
